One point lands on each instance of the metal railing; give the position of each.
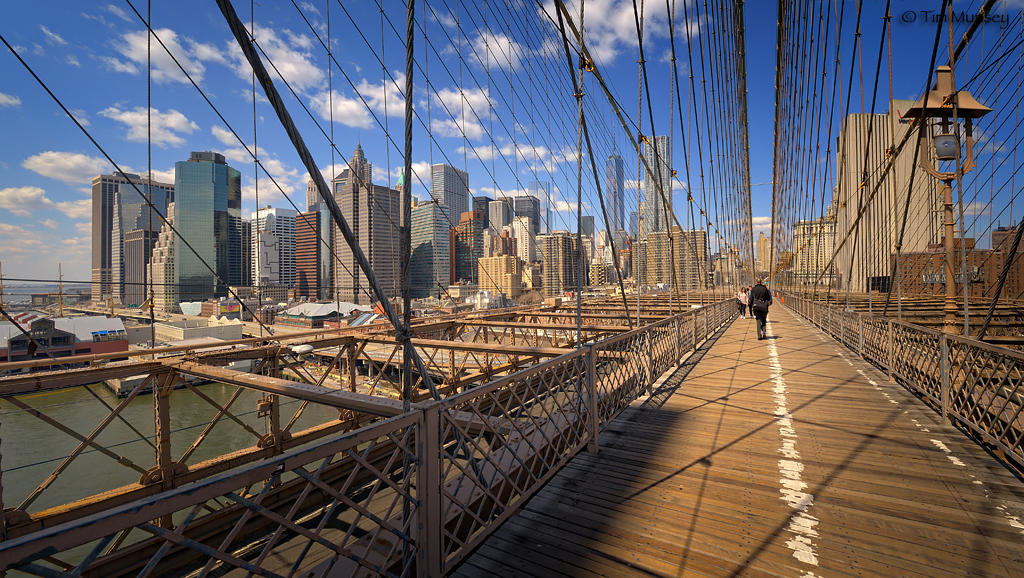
(978, 384)
(411, 495)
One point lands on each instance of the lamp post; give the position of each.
(947, 106)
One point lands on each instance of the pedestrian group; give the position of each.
(754, 301)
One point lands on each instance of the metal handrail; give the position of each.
(979, 385)
(423, 487)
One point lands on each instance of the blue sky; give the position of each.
(93, 56)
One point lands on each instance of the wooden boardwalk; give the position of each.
(784, 457)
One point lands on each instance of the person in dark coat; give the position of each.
(760, 300)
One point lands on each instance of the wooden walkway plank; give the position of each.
(787, 457)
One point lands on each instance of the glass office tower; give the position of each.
(208, 213)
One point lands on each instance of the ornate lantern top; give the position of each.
(934, 103)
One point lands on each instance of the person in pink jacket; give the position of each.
(741, 302)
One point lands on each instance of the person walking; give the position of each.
(749, 302)
(760, 300)
(741, 302)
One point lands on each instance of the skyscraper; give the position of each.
(105, 189)
(691, 252)
(162, 265)
(431, 259)
(657, 214)
(541, 191)
(501, 274)
(138, 248)
(450, 186)
(525, 244)
(499, 215)
(482, 204)
(560, 255)
(132, 212)
(634, 223)
(313, 254)
(469, 247)
(763, 252)
(312, 196)
(267, 259)
(814, 241)
(587, 226)
(208, 212)
(280, 222)
(616, 192)
(246, 235)
(864, 260)
(373, 212)
(529, 206)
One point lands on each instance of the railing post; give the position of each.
(694, 317)
(860, 335)
(944, 375)
(650, 361)
(430, 533)
(679, 345)
(594, 420)
(842, 328)
(890, 349)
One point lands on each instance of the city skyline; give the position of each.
(49, 163)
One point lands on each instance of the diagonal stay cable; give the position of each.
(274, 97)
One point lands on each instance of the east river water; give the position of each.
(31, 449)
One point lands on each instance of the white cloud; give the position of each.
(166, 125)
(9, 100)
(49, 223)
(81, 209)
(8, 230)
(420, 174)
(761, 224)
(98, 17)
(224, 135)
(81, 117)
(465, 110)
(445, 19)
(84, 228)
(116, 65)
(21, 201)
(51, 37)
(162, 176)
(207, 52)
(269, 194)
(978, 209)
(118, 12)
(348, 111)
(386, 95)
(73, 60)
(133, 47)
(66, 166)
(309, 7)
(497, 51)
(290, 54)
(613, 32)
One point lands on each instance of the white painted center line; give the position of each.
(801, 523)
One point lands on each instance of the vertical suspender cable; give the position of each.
(307, 159)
